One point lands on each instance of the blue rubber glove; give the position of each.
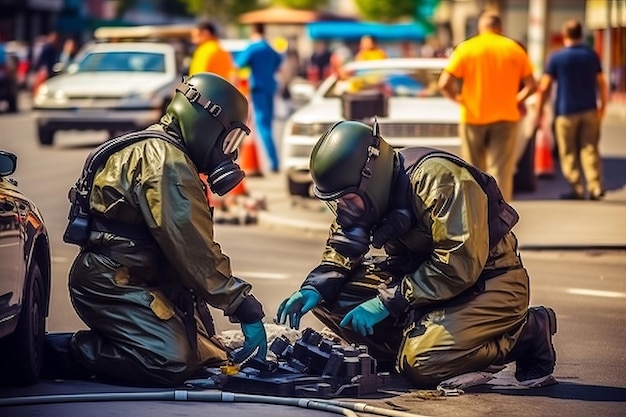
(255, 343)
(297, 305)
(363, 317)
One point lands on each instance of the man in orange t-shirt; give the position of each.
(209, 56)
(491, 67)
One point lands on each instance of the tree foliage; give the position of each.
(301, 4)
(224, 10)
(389, 11)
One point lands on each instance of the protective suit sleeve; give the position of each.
(328, 277)
(454, 208)
(174, 206)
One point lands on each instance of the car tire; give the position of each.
(22, 351)
(46, 136)
(525, 179)
(299, 183)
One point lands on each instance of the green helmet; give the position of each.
(351, 157)
(200, 126)
(210, 113)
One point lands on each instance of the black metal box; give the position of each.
(363, 105)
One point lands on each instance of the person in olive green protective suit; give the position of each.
(449, 297)
(151, 265)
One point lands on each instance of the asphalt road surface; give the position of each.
(587, 289)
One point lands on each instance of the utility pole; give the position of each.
(606, 44)
(537, 18)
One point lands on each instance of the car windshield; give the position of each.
(122, 62)
(394, 82)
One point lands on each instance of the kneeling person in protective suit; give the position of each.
(150, 266)
(450, 296)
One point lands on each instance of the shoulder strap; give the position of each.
(79, 194)
(99, 155)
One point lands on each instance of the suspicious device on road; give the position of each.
(314, 366)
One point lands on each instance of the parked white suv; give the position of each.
(116, 86)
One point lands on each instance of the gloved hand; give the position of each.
(297, 305)
(255, 340)
(363, 317)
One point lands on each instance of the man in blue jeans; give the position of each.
(263, 62)
(581, 97)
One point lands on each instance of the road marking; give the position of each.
(261, 275)
(596, 293)
(58, 259)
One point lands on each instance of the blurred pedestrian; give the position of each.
(264, 62)
(319, 61)
(209, 56)
(580, 87)
(491, 67)
(50, 53)
(369, 50)
(70, 48)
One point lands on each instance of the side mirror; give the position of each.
(8, 163)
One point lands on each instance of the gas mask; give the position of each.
(353, 237)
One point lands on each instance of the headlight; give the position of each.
(42, 91)
(149, 95)
(309, 129)
(59, 95)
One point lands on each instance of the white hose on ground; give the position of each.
(336, 407)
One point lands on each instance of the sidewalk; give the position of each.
(545, 222)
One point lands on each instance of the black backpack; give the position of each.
(79, 220)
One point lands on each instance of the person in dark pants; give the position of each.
(50, 54)
(449, 297)
(581, 85)
(264, 62)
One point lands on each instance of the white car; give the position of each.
(416, 115)
(115, 86)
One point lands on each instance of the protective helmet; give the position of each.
(210, 115)
(351, 157)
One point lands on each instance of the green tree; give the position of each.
(389, 11)
(301, 4)
(224, 10)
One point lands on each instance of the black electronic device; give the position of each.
(313, 366)
(363, 105)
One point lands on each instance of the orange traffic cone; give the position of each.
(249, 157)
(544, 163)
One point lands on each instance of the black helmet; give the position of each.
(210, 114)
(351, 157)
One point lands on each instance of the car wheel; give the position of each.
(300, 183)
(525, 178)
(22, 351)
(46, 137)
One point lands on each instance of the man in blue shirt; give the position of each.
(263, 62)
(580, 86)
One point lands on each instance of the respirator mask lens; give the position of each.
(233, 137)
(350, 204)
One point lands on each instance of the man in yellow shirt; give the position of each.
(368, 50)
(491, 67)
(209, 56)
